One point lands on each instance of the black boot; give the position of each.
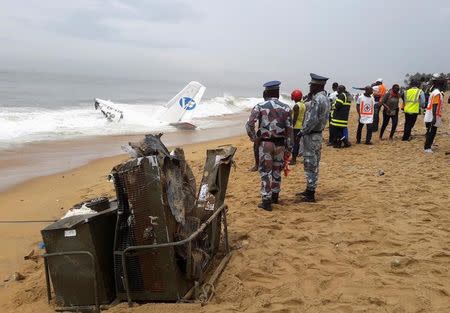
(308, 197)
(302, 194)
(266, 204)
(275, 198)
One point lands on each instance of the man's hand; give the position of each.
(286, 160)
(433, 121)
(287, 154)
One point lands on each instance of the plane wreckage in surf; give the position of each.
(178, 111)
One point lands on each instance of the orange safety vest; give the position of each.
(436, 99)
(382, 90)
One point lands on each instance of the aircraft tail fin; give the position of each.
(182, 106)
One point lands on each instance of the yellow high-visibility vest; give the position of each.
(412, 102)
(301, 115)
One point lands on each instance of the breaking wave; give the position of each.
(28, 124)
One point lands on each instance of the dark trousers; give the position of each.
(346, 134)
(337, 134)
(410, 121)
(331, 130)
(376, 117)
(256, 152)
(386, 119)
(368, 133)
(431, 133)
(296, 146)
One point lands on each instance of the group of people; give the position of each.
(283, 133)
(274, 138)
(412, 102)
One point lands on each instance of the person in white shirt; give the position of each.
(433, 113)
(365, 107)
(379, 90)
(332, 96)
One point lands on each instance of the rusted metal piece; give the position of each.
(220, 211)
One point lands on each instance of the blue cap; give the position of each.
(317, 79)
(274, 84)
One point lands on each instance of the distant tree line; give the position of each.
(423, 78)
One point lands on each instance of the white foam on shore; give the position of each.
(29, 124)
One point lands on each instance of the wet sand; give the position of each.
(372, 242)
(24, 162)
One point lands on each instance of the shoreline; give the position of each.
(21, 163)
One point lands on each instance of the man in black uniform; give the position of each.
(339, 120)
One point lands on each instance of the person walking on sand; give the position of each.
(413, 100)
(339, 119)
(298, 115)
(379, 90)
(433, 113)
(316, 117)
(275, 141)
(365, 106)
(390, 103)
(254, 168)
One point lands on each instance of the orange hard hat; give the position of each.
(296, 95)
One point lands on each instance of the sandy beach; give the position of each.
(22, 162)
(377, 240)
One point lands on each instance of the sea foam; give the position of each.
(28, 124)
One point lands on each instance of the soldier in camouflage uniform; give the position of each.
(275, 141)
(316, 117)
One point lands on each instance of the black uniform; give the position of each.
(339, 120)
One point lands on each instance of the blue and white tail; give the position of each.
(181, 107)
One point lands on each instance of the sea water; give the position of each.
(37, 106)
(48, 122)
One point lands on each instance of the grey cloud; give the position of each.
(234, 42)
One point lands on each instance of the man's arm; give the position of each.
(422, 99)
(376, 90)
(250, 126)
(434, 113)
(289, 132)
(311, 118)
(296, 111)
(339, 101)
(358, 102)
(402, 96)
(384, 100)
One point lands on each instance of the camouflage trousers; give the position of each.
(270, 166)
(312, 146)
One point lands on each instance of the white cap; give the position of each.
(379, 80)
(436, 75)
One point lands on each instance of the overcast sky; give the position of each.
(228, 42)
